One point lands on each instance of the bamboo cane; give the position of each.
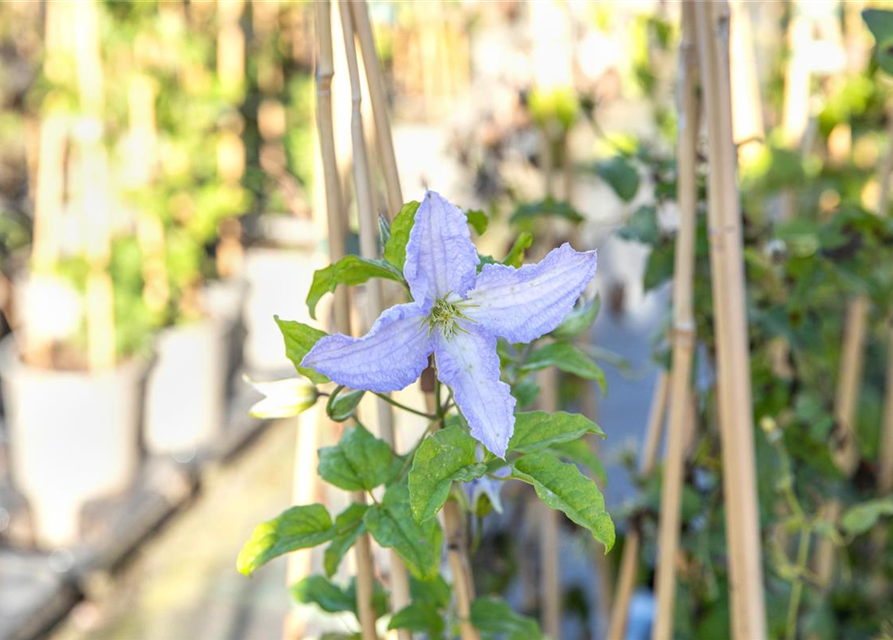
(378, 98)
(629, 560)
(735, 407)
(369, 249)
(747, 111)
(683, 332)
(325, 70)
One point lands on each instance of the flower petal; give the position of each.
(440, 257)
(522, 304)
(468, 364)
(388, 358)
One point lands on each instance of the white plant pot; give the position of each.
(73, 437)
(224, 300)
(186, 389)
(278, 280)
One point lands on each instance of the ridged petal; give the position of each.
(522, 304)
(440, 257)
(388, 358)
(467, 363)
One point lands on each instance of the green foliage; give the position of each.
(395, 247)
(567, 358)
(349, 270)
(880, 23)
(515, 256)
(539, 430)
(392, 525)
(334, 599)
(621, 175)
(359, 462)
(561, 486)
(296, 528)
(863, 517)
(444, 457)
(547, 208)
(478, 220)
(579, 320)
(299, 339)
(494, 618)
(349, 526)
(419, 617)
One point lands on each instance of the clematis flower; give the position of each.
(458, 314)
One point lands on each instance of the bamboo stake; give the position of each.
(325, 70)
(369, 249)
(683, 332)
(629, 560)
(747, 111)
(550, 531)
(735, 407)
(378, 99)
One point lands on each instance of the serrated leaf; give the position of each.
(580, 452)
(442, 458)
(494, 618)
(539, 430)
(395, 249)
(478, 220)
(546, 208)
(299, 339)
(332, 598)
(621, 176)
(343, 403)
(515, 257)
(350, 270)
(569, 359)
(578, 320)
(295, 528)
(348, 527)
(359, 462)
(419, 617)
(561, 486)
(391, 524)
(862, 517)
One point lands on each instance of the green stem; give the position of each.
(797, 586)
(402, 406)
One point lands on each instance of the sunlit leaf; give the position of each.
(349, 270)
(299, 339)
(359, 462)
(348, 527)
(478, 220)
(395, 249)
(539, 430)
(295, 528)
(862, 517)
(569, 359)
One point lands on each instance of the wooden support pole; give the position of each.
(683, 331)
(629, 560)
(369, 248)
(733, 374)
(378, 99)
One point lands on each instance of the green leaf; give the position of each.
(526, 392)
(578, 320)
(334, 599)
(391, 524)
(395, 249)
(359, 461)
(621, 176)
(547, 208)
(862, 517)
(538, 430)
(419, 617)
(493, 617)
(880, 23)
(295, 528)
(343, 403)
(349, 270)
(299, 339)
(442, 458)
(580, 452)
(478, 220)
(349, 526)
(569, 359)
(642, 226)
(561, 486)
(435, 592)
(515, 257)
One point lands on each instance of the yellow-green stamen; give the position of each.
(445, 315)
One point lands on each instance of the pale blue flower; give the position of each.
(458, 314)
